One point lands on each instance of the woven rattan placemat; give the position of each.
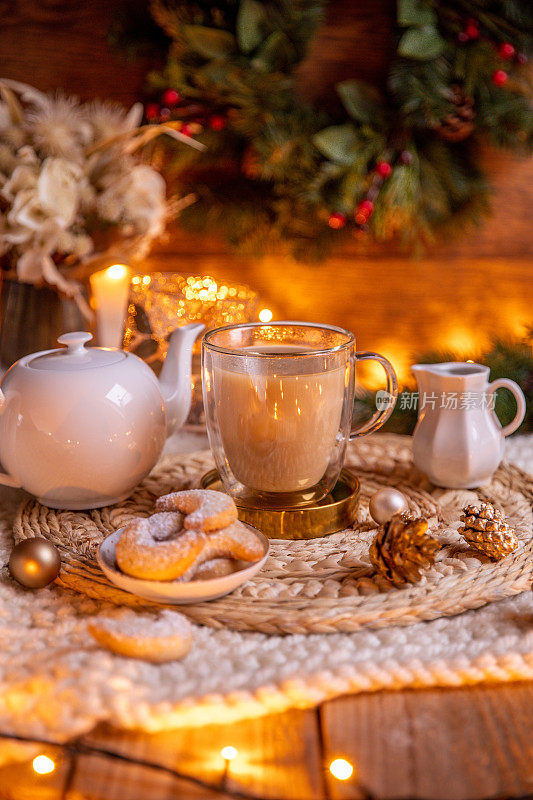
(321, 585)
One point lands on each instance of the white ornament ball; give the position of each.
(385, 503)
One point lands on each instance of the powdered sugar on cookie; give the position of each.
(165, 636)
(206, 510)
(173, 558)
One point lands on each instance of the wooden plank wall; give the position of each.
(461, 293)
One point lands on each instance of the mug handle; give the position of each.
(381, 415)
(514, 388)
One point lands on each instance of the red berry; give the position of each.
(164, 113)
(170, 97)
(499, 77)
(337, 220)
(506, 50)
(472, 30)
(463, 37)
(186, 130)
(366, 206)
(383, 169)
(151, 111)
(217, 122)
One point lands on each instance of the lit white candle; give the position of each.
(110, 289)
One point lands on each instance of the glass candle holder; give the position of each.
(161, 301)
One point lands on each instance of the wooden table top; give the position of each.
(437, 744)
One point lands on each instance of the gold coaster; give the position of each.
(335, 512)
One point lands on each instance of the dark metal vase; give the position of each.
(32, 318)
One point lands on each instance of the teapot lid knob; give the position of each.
(75, 341)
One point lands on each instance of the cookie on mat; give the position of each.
(165, 636)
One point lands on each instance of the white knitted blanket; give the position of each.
(56, 682)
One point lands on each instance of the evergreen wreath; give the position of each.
(399, 164)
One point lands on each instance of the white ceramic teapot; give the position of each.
(80, 427)
(459, 441)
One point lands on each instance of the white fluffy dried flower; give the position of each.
(58, 128)
(78, 245)
(59, 189)
(8, 159)
(22, 177)
(5, 117)
(26, 211)
(108, 120)
(27, 155)
(137, 197)
(14, 136)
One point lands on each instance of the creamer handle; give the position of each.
(514, 388)
(5, 478)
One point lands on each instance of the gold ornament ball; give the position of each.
(385, 503)
(34, 563)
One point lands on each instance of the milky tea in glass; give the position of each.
(278, 401)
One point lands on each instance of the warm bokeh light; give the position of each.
(228, 753)
(341, 769)
(462, 340)
(117, 272)
(265, 315)
(42, 765)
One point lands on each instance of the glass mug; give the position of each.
(278, 401)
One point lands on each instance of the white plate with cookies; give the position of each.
(213, 579)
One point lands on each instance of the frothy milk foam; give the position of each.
(278, 430)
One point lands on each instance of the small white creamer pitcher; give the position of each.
(458, 440)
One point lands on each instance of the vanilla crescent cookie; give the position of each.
(161, 637)
(205, 509)
(149, 539)
(214, 568)
(140, 556)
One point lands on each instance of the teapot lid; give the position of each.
(76, 356)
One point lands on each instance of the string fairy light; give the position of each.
(43, 765)
(228, 753)
(341, 769)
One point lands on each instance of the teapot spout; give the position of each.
(175, 377)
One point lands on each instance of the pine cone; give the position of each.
(486, 530)
(402, 549)
(459, 124)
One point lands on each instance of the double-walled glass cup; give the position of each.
(278, 403)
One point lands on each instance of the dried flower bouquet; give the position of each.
(74, 180)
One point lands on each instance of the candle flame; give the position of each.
(117, 272)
